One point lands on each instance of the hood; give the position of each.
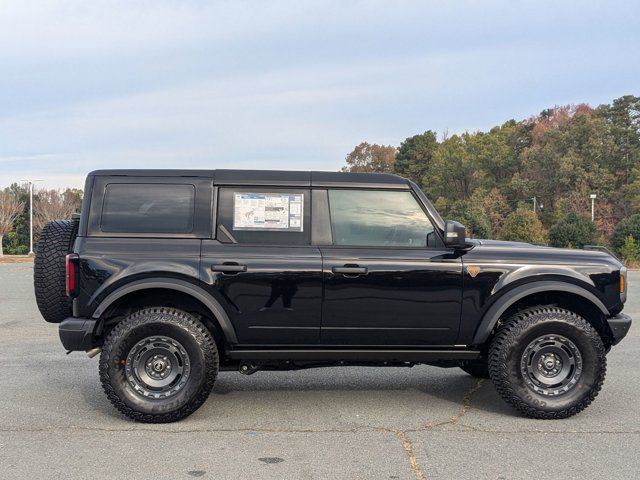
(541, 253)
(481, 241)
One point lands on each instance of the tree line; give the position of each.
(14, 214)
(488, 180)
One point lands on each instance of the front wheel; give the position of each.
(547, 362)
(158, 365)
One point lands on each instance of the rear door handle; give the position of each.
(229, 267)
(350, 270)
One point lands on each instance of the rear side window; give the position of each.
(270, 216)
(148, 208)
(378, 218)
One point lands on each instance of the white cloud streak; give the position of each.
(284, 84)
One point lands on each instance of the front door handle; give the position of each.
(229, 267)
(350, 270)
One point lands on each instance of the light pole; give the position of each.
(593, 201)
(536, 206)
(31, 182)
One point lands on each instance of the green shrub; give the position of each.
(12, 246)
(573, 231)
(477, 223)
(630, 251)
(523, 225)
(627, 226)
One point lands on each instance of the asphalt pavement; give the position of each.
(334, 423)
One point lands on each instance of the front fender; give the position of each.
(493, 314)
(580, 274)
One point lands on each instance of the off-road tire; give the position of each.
(476, 368)
(49, 271)
(166, 322)
(506, 356)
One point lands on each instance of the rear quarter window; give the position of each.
(148, 208)
(269, 216)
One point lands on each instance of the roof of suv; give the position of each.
(273, 177)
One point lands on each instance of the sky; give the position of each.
(286, 84)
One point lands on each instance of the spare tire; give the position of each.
(49, 270)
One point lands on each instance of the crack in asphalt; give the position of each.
(194, 430)
(466, 406)
(545, 432)
(453, 421)
(465, 428)
(402, 435)
(411, 456)
(406, 444)
(418, 473)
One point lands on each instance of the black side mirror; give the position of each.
(455, 234)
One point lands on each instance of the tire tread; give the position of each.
(182, 319)
(55, 242)
(507, 338)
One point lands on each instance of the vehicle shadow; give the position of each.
(420, 394)
(443, 385)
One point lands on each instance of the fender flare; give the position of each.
(493, 314)
(173, 284)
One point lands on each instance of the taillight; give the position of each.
(71, 263)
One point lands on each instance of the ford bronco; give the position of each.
(173, 275)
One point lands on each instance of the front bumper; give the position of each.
(77, 333)
(619, 326)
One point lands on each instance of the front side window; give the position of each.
(148, 208)
(378, 218)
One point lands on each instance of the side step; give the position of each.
(353, 355)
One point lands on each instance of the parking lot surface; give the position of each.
(373, 423)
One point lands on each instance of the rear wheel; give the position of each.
(547, 362)
(158, 365)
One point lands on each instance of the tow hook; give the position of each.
(248, 368)
(93, 352)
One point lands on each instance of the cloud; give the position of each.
(284, 84)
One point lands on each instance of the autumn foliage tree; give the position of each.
(10, 209)
(371, 158)
(560, 156)
(496, 209)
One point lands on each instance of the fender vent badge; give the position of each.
(473, 270)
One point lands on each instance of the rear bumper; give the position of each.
(77, 333)
(619, 326)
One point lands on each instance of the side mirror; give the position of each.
(455, 234)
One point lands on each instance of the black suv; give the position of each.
(174, 275)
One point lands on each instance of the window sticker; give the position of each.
(268, 211)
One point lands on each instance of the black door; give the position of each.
(263, 269)
(388, 279)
